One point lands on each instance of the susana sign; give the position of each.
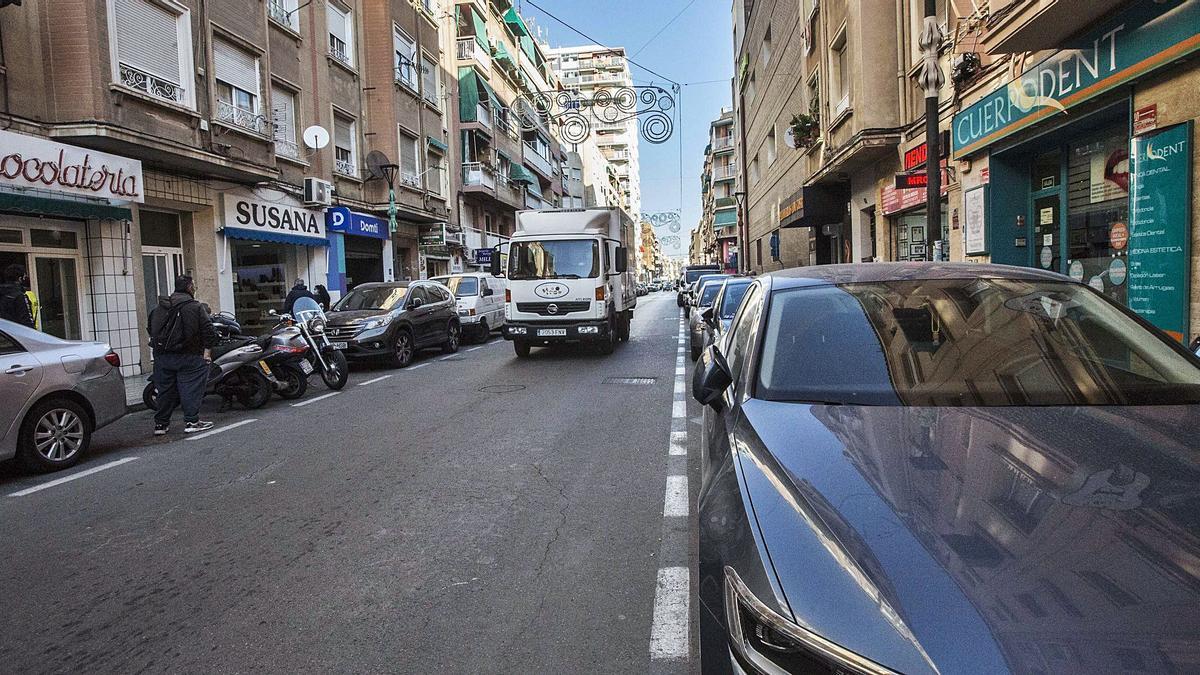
(32, 162)
(249, 212)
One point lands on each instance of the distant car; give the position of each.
(693, 294)
(655, 286)
(946, 468)
(480, 299)
(711, 323)
(690, 274)
(706, 292)
(642, 289)
(394, 320)
(55, 393)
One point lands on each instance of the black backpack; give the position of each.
(171, 338)
(14, 306)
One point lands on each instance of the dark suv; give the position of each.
(393, 320)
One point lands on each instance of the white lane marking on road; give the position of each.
(669, 632)
(419, 365)
(378, 379)
(680, 371)
(74, 476)
(678, 442)
(447, 358)
(314, 400)
(678, 386)
(675, 501)
(679, 410)
(474, 348)
(222, 429)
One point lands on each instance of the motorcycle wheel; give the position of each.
(150, 396)
(294, 382)
(259, 391)
(337, 371)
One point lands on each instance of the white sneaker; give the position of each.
(193, 427)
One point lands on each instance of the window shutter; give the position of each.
(338, 22)
(235, 67)
(283, 114)
(408, 155)
(148, 38)
(341, 134)
(429, 75)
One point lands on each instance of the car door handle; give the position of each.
(18, 370)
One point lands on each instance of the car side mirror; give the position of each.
(622, 260)
(415, 303)
(712, 378)
(709, 315)
(496, 264)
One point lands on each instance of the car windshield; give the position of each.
(969, 342)
(376, 297)
(462, 287)
(555, 259)
(734, 292)
(691, 276)
(708, 293)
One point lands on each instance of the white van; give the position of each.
(480, 298)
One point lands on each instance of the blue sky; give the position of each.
(695, 49)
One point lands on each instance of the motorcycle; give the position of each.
(324, 356)
(238, 370)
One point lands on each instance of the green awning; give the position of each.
(468, 94)
(480, 30)
(486, 88)
(519, 174)
(723, 218)
(503, 155)
(503, 55)
(515, 23)
(529, 49)
(437, 145)
(65, 208)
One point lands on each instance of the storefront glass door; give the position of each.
(56, 284)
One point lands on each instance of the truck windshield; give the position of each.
(558, 259)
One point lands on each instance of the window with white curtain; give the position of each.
(236, 75)
(410, 162)
(283, 122)
(406, 57)
(152, 48)
(345, 146)
(430, 81)
(341, 33)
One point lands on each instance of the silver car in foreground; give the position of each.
(55, 393)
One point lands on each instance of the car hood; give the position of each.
(985, 540)
(352, 315)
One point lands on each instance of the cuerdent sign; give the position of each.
(271, 215)
(32, 162)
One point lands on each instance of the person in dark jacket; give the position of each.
(299, 290)
(323, 298)
(14, 303)
(181, 372)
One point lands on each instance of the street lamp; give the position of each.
(389, 174)
(743, 245)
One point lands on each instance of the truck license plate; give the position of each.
(306, 367)
(552, 332)
(339, 345)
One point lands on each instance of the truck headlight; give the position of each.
(775, 644)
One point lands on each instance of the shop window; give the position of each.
(261, 282)
(341, 33)
(1097, 204)
(283, 122)
(237, 87)
(345, 149)
(11, 237)
(152, 46)
(405, 49)
(53, 239)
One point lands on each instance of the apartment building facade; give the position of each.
(720, 206)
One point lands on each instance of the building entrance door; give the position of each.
(56, 283)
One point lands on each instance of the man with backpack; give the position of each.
(14, 303)
(182, 338)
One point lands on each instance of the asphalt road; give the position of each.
(469, 514)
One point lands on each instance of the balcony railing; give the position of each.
(279, 13)
(476, 174)
(286, 148)
(724, 172)
(541, 164)
(534, 200)
(338, 50)
(145, 82)
(722, 143)
(345, 167)
(469, 49)
(483, 115)
(241, 118)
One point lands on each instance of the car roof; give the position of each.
(825, 275)
(387, 284)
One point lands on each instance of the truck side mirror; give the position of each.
(622, 260)
(487, 290)
(495, 263)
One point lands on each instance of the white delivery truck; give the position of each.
(569, 278)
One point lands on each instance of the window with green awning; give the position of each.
(529, 49)
(723, 218)
(468, 94)
(515, 23)
(519, 174)
(475, 22)
(503, 55)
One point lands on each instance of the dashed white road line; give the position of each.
(373, 381)
(419, 365)
(225, 428)
(679, 410)
(314, 400)
(675, 501)
(669, 631)
(474, 348)
(678, 442)
(678, 386)
(74, 476)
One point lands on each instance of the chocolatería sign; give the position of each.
(32, 162)
(1145, 37)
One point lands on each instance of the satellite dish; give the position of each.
(316, 137)
(375, 161)
(789, 138)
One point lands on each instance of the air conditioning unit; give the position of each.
(318, 192)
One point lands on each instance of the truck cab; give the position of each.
(568, 278)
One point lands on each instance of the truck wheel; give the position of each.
(609, 343)
(623, 327)
(521, 347)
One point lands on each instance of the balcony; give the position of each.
(338, 50)
(154, 86)
(477, 175)
(278, 12)
(345, 167)
(471, 51)
(721, 143)
(483, 115)
(537, 162)
(241, 118)
(286, 148)
(726, 172)
(1034, 25)
(534, 201)
(619, 156)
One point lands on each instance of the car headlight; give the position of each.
(773, 644)
(371, 324)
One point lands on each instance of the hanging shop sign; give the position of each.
(1145, 119)
(1160, 229)
(909, 181)
(433, 235)
(1132, 43)
(270, 215)
(483, 256)
(343, 220)
(32, 162)
(917, 156)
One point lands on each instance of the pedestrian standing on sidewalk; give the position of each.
(299, 290)
(182, 338)
(323, 298)
(14, 304)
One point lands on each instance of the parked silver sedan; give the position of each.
(56, 393)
